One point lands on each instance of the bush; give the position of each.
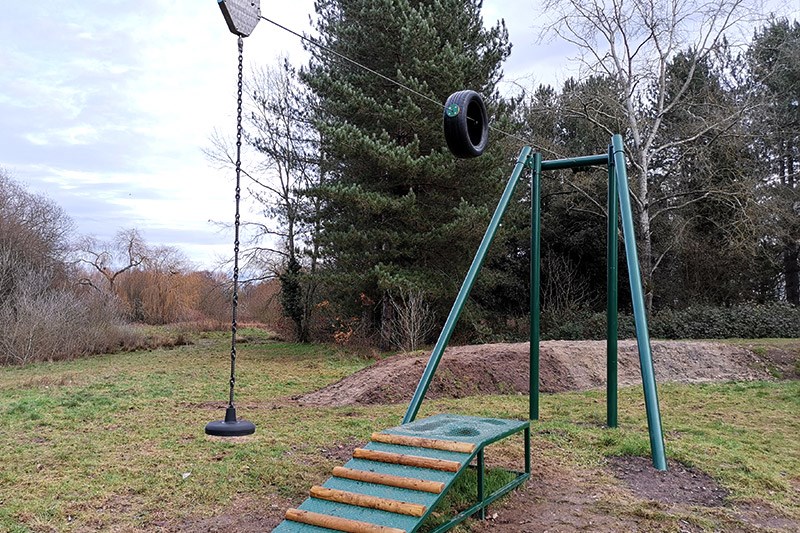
(56, 325)
(751, 321)
(40, 321)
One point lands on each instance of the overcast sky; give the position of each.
(106, 106)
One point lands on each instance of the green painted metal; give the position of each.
(640, 316)
(484, 431)
(466, 287)
(575, 162)
(519, 480)
(535, 281)
(612, 263)
(527, 438)
(481, 474)
(474, 430)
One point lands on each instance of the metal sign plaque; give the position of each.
(241, 15)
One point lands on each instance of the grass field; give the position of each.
(116, 442)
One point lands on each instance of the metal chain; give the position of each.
(235, 298)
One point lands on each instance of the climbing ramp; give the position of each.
(394, 482)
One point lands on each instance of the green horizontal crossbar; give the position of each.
(575, 162)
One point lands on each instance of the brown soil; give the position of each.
(244, 515)
(679, 484)
(564, 365)
(628, 495)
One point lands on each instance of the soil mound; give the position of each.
(564, 365)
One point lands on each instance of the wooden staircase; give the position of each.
(394, 482)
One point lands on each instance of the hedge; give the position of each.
(751, 321)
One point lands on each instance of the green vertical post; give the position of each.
(536, 259)
(527, 450)
(612, 264)
(640, 316)
(481, 474)
(466, 287)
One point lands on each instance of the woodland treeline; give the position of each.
(370, 224)
(366, 224)
(64, 295)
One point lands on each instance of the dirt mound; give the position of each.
(564, 365)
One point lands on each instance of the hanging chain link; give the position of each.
(235, 298)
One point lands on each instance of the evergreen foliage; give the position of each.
(745, 321)
(774, 59)
(399, 212)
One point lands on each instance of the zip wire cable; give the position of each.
(384, 77)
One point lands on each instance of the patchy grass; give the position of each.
(116, 442)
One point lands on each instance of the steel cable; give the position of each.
(386, 78)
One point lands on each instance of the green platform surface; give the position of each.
(478, 431)
(462, 428)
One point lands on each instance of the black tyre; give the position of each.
(466, 124)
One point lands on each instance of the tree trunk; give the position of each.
(645, 235)
(387, 322)
(791, 252)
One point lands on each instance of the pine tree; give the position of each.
(400, 213)
(775, 63)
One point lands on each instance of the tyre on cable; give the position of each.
(466, 124)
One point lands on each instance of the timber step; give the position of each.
(393, 482)
(336, 523)
(435, 487)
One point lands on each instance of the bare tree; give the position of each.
(34, 227)
(286, 165)
(112, 259)
(633, 43)
(149, 280)
(41, 317)
(411, 320)
(564, 291)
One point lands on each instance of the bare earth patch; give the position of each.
(245, 515)
(630, 495)
(679, 484)
(564, 366)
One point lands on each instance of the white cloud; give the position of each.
(81, 134)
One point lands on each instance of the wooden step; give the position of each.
(407, 460)
(419, 442)
(435, 487)
(365, 500)
(339, 524)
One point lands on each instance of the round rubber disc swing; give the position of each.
(466, 124)
(242, 17)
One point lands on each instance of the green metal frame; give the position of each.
(483, 501)
(619, 206)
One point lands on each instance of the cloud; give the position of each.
(106, 105)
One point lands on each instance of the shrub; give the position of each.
(750, 321)
(41, 321)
